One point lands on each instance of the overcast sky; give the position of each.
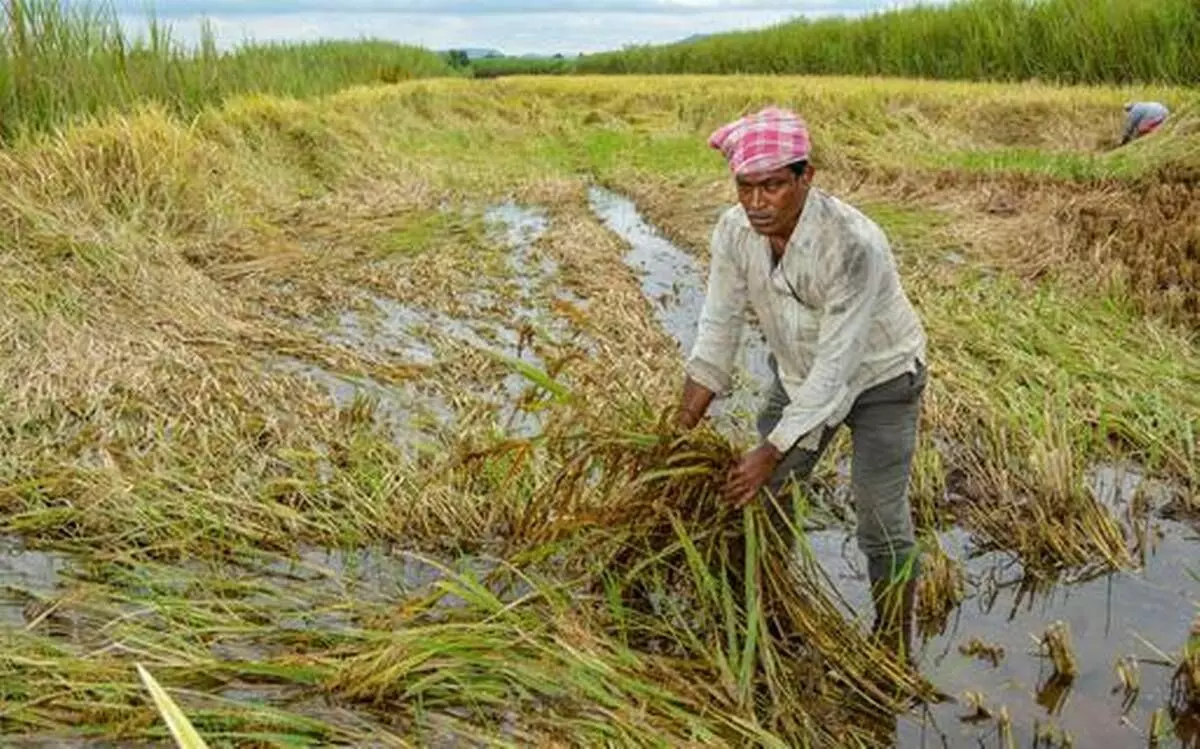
(512, 26)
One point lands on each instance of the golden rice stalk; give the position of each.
(1056, 645)
(1130, 680)
(1005, 726)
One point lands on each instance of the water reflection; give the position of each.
(673, 281)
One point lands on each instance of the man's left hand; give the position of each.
(752, 473)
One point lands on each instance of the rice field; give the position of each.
(345, 420)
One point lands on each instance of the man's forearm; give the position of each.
(694, 404)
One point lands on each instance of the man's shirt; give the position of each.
(832, 311)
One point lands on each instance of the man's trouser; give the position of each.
(883, 428)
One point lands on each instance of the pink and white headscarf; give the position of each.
(763, 141)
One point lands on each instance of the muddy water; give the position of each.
(25, 575)
(520, 228)
(397, 409)
(405, 333)
(380, 574)
(673, 281)
(325, 580)
(1128, 614)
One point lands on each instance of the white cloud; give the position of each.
(188, 8)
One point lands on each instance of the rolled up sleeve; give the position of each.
(722, 318)
(852, 281)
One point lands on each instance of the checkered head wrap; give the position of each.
(763, 141)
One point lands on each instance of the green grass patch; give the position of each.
(904, 225)
(1060, 165)
(424, 231)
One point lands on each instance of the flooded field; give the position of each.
(1138, 615)
(358, 450)
(1133, 617)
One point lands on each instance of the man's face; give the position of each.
(773, 200)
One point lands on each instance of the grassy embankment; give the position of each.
(60, 63)
(1073, 41)
(163, 282)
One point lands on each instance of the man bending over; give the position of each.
(846, 347)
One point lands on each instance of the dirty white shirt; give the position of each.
(847, 327)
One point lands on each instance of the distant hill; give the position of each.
(485, 53)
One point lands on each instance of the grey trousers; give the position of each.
(883, 429)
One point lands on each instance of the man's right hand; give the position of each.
(693, 405)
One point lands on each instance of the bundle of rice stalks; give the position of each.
(651, 507)
(670, 584)
(636, 478)
(1056, 645)
(545, 669)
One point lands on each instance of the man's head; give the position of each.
(768, 154)
(773, 200)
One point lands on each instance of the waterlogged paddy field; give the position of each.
(291, 396)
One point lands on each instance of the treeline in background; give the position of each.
(1069, 41)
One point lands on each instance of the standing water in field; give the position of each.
(401, 333)
(673, 281)
(26, 576)
(1109, 618)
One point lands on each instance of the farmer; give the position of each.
(846, 347)
(1142, 118)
